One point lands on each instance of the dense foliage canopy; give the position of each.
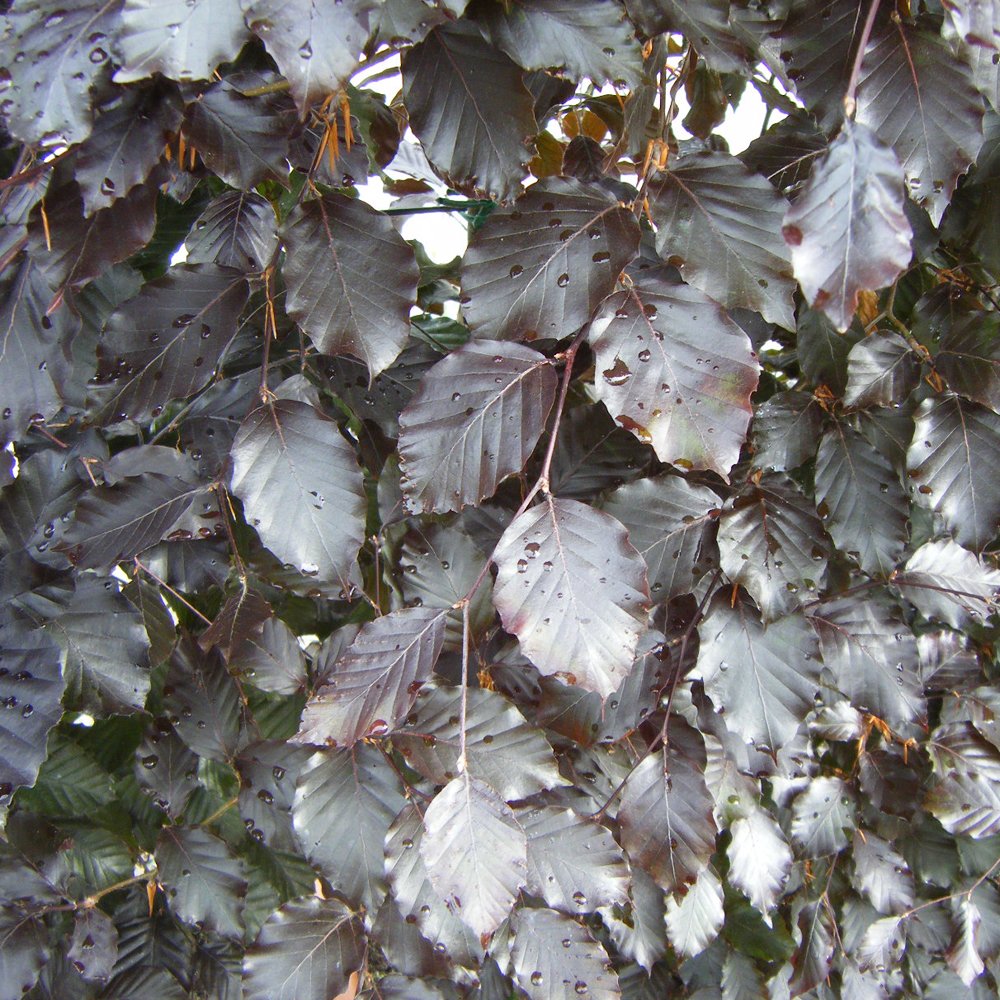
(605, 613)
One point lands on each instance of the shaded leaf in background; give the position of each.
(573, 590)
(475, 852)
(764, 679)
(339, 251)
(676, 371)
(955, 445)
(470, 110)
(846, 230)
(540, 268)
(374, 684)
(288, 457)
(456, 447)
(25, 950)
(721, 225)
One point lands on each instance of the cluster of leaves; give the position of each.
(606, 613)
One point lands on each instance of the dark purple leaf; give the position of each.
(966, 796)
(969, 359)
(847, 230)
(705, 25)
(676, 371)
(815, 955)
(301, 489)
(351, 279)
(541, 268)
(236, 230)
(881, 874)
(272, 661)
(470, 110)
(166, 770)
(638, 931)
(268, 772)
(25, 950)
(374, 684)
(786, 428)
(238, 623)
(881, 371)
(456, 447)
(573, 590)
(721, 225)
(93, 948)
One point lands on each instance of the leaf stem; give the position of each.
(462, 759)
(180, 597)
(850, 104)
(221, 811)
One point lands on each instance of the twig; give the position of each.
(180, 597)
(850, 104)
(462, 759)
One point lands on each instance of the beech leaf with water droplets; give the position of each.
(846, 229)
(457, 446)
(301, 488)
(695, 919)
(374, 684)
(475, 852)
(573, 590)
(823, 817)
(541, 268)
(237, 229)
(351, 279)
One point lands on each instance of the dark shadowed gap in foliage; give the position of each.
(607, 612)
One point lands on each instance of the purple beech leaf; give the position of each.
(52, 65)
(666, 820)
(772, 542)
(26, 950)
(918, 98)
(345, 801)
(503, 750)
(976, 22)
(963, 956)
(764, 679)
(306, 950)
(956, 446)
(167, 342)
(541, 268)
(457, 445)
(469, 108)
(882, 370)
(881, 874)
(676, 371)
(671, 522)
(268, 771)
(785, 429)
(94, 945)
(237, 229)
(694, 919)
(415, 898)
(475, 852)
(238, 622)
(316, 46)
(760, 860)
(823, 817)
(181, 40)
(272, 661)
(638, 930)
(847, 230)
(965, 798)
(862, 498)
(872, 655)
(554, 958)
(301, 489)
(374, 684)
(814, 958)
(721, 225)
(969, 359)
(949, 583)
(574, 863)
(573, 590)
(582, 37)
(351, 279)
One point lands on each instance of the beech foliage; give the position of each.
(609, 611)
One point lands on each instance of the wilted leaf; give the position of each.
(666, 818)
(456, 447)
(694, 920)
(470, 109)
(918, 98)
(772, 542)
(307, 950)
(676, 371)
(955, 445)
(541, 268)
(764, 679)
(949, 583)
(847, 230)
(202, 877)
(374, 684)
(759, 860)
(554, 958)
(721, 225)
(573, 590)
(301, 488)
(475, 852)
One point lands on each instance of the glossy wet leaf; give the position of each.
(573, 590)
(846, 230)
(475, 852)
(237, 229)
(969, 360)
(695, 919)
(676, 371)
(541, 268)
(339, 251)
(457, 446)
(301, 488)
(823, 818)
(373, 685)
(760, 859)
